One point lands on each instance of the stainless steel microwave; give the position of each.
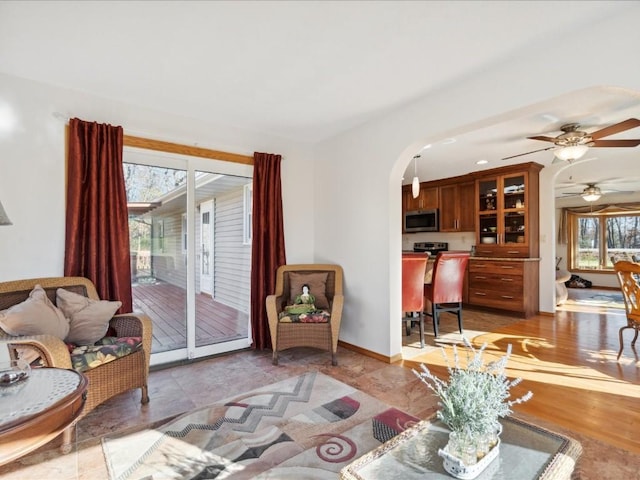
(421, 221)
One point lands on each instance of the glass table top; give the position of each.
(526, 452)
(43, 388)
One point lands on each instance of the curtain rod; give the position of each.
(170, 147)
(161, 146)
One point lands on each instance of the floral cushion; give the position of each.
(85, 357)
(319, 316)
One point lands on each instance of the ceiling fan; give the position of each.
(573, 143)
(592, 192)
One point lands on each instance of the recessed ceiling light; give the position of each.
(426, 146)
(482, 162)
(448, 141)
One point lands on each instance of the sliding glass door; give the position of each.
(190, 258)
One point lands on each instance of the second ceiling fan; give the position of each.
(592, 192)
(573, 143)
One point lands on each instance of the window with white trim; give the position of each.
(596, 238)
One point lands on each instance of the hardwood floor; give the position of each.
(569, 363)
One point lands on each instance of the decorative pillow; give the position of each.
(37, 315)
(88, 318)
(317, 287)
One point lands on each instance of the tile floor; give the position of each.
(181, 388)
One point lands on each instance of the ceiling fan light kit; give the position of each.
(591, 193)
(571, 152)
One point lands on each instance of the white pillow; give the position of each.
(37, 315)
(88, 318)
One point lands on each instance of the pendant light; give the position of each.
(4, 218)
(415, 184)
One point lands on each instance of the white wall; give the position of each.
(346, 210)
(357, 224)
(32, 169)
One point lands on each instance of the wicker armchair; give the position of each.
(106, 380)
(317, 335)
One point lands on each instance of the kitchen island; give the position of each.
(504, 283)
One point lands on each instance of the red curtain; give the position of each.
(97, 229)
(267, 251)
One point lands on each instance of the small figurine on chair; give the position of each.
(304, 303)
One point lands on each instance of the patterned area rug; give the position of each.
(608, 300)
(303, 427)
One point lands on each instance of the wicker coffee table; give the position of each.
(526, 452)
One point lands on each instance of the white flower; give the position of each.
(474, 398)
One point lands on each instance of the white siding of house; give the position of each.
(169, 263)
(232, 259)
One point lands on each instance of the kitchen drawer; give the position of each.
(504, 251)
(491, 298)
(499, 267)
(495, 281)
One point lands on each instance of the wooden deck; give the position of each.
(166, 306)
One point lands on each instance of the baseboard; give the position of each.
(547, 314)
(369, 353)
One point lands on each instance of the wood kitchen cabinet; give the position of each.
(504, 284)
(507, 212)
(427, 198)
(457, 207)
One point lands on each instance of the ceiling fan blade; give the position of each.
(533, 151)
(615, 128)
(615, 143)
(543, 138)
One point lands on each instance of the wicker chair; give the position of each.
(106, 380)
(317, 335)
(628, 274)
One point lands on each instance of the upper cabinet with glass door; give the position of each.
(507, 212)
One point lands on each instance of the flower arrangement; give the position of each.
(476, 396)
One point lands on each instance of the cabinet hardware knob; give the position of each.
(481, 294)
(507, 296)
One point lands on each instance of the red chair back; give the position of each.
(448, 277)
(414, 268)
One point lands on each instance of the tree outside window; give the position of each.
(598, 238)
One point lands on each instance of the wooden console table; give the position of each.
(527, 452)
(46, 405)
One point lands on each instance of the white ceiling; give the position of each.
(310, 70)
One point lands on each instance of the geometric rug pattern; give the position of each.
(305, 427)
